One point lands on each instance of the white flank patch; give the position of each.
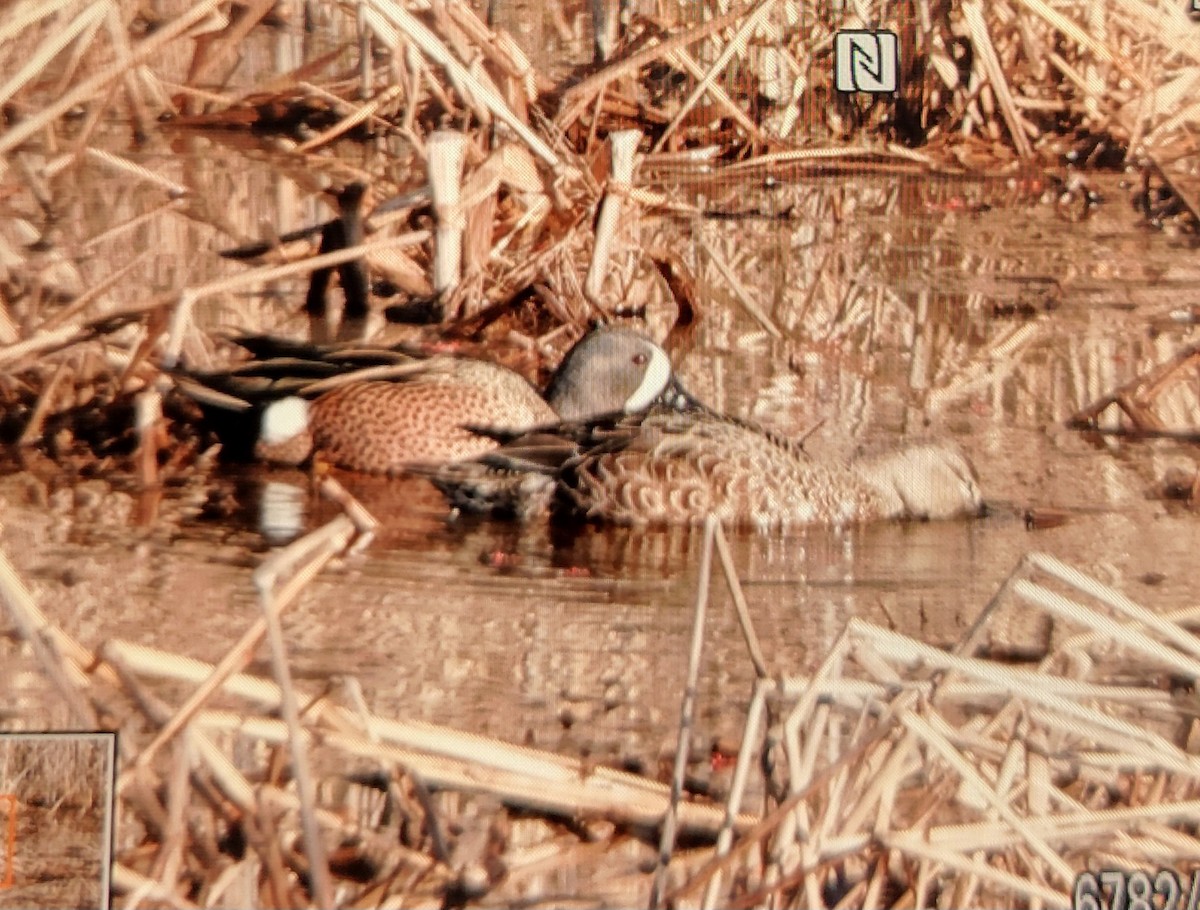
(658, 374)
(283, 419)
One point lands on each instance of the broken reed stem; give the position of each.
(359, 115)
(39, 343)
(265, 578)
(899, 649)
(623, 145)
(33, 427)
(97, 290)
(517, 775)
(991, 835)
(49, 49)
(49, 644)
(686, 62)
(687, 714)
(1116, 601)
(366, 65)
(1151, 648)
(507, 55)
(772, 822)
(126, 881)
(935, 740)
(602, 36)
(138, 172)
(174, 838)
(364, 522)
(747, 752)
(952, 859)
(177, 326)
(740, 605)
(148, 424)
(447, 151)
(304, 266)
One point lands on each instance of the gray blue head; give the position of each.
(614, 371)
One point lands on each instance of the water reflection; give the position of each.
(989, 327)
(903, 310)
(282, 511)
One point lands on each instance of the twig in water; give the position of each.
(320, 884)
(687, 714)
(739, 604)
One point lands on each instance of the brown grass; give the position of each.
(901, 774)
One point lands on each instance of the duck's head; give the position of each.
(614, 371)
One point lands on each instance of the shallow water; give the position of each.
(907, 316)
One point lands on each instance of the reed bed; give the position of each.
(508, 200)
(896, 774)
(904, 775)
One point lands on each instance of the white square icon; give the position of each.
(867, 61)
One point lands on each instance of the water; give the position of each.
(906, 311)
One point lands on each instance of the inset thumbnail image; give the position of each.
(55, 819)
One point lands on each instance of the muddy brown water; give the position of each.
(911, 312)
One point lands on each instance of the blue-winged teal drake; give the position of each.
(678, 461)
(380, 410)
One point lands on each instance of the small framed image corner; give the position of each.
(56, 818)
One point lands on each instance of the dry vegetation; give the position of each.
(55, 770)
(518, 204)
(484, 174)
(897, 774)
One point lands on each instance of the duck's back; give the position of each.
(381, 427)
(678, 468)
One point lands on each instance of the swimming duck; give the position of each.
(677, 461)
(380, 410)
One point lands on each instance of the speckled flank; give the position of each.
(380, 427)
(677, 468)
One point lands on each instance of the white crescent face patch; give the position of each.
(654, 382)
(283, 419)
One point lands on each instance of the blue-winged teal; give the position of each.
(675, 464)
(380, 410)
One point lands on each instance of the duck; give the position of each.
(383, 410)
(676, 461)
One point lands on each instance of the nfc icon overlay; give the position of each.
(867, 61)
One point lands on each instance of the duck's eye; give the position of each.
(641, 359)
